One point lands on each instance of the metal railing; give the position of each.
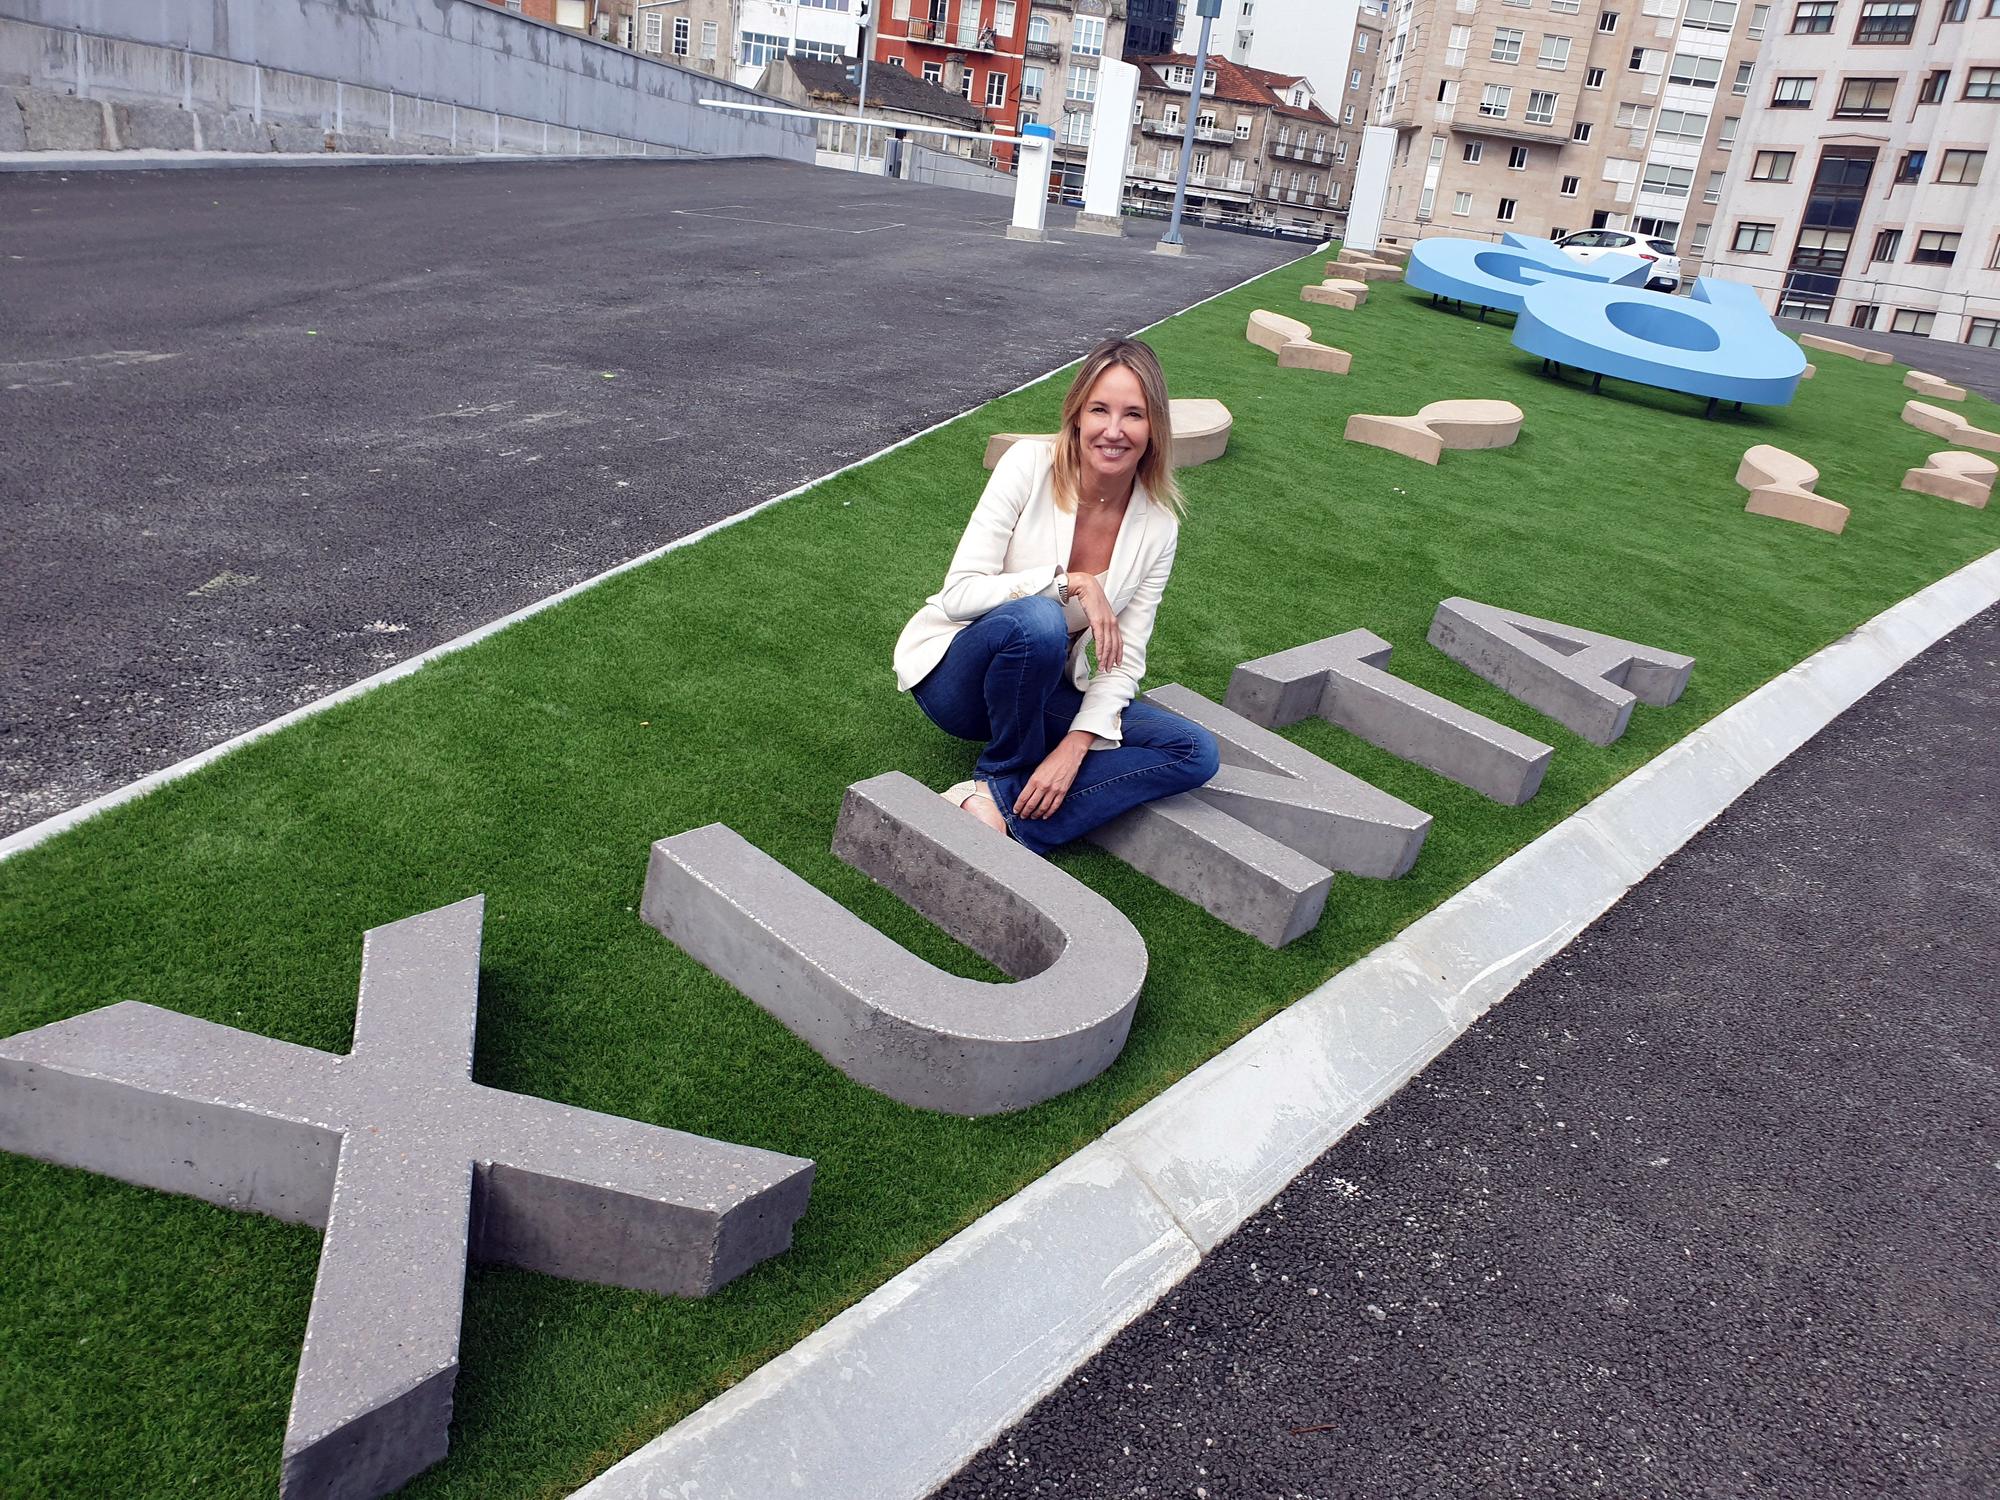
(1296, 151)
(1047, 51)
(1206, 180)
(1210, 135)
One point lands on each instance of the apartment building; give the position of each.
(1149, 27)
(1370, 24)
(1263, 148)
(1862, 192)
(976, 48)
(1310, 37)
(1548, 116)
(1067, 40)
(769, 29)
(696, 34)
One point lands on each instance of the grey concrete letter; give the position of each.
(1344, 680)
(408, 1165)
(892, 1022)
(1581, 679)
(1290, 820)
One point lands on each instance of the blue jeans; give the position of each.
(1002, 682)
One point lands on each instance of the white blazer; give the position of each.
(1015, 544)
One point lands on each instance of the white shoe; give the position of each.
(964, 792)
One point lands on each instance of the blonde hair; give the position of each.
(1156, 464)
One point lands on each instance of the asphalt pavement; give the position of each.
(269, 431)
(1708, 1207)
(1962, 364)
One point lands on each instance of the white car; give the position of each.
(1586, 245)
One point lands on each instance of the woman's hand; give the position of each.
(1089, 592)
(1046, 789)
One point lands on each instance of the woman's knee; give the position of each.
(1038, 626)
(1204, 755)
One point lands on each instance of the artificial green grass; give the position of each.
(148, 1343)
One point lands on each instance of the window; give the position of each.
(1760, 17)
(1712, 190)
(1461, 204)
(1607, 22)
(1981, 83)
(1075, 130)
(1773, 166)
(1541, 107)
(1506, 214)
(1593, 78)
(1003, 17)
(1935, 84)
(1506, 45)
(1886, 22)
(1669, 182)
(964, 81)
(1681, 125)
(1793, 93)
(1643, 61)
(1726, 136)
(709, 40)
(1455, 44)
(1244, 123)
(1888, 245)
(683, 34)
(1517, 158)
(1571, 186)
(1087, 37)
(1083, 84)
(1555, 52)
(1198, 163)
(1340, 151)
(1347, 115)
(1360, 41)
(1819, 251)
(1565, 7)
(656, 30)
(1863, 315)
(1935, 247)
(1710, 15)
(1742, 84)
(1813, 18)
(1580, 131)
(1912, 320)
(1955, 10)
(1353, 80)
(996, 90)
(1983, 333)
(1031, 84)
(1865, 99)
(1963, 167)
(933, 72)
(1494, 99)
(1700, 241)
(1699, 72)
(1634, 116)
(755, 48)
(1911, 167)
(1473, 150)
(1754, 239)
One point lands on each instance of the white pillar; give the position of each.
(1110, 135)
(1032, 159)
(1371, 188)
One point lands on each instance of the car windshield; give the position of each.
(1590, 239)
(1664, 247)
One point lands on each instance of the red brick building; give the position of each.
(972, 47)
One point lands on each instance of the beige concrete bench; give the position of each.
(1809, 371)
(1781, 485)
(1363, 269)
(1293, 343)
(1336, 292)
(1380, 256)
(1930, 385)
(1201, 433)
(1950, 426)
(1852, 351)
(1438, 426)
(1964, 477)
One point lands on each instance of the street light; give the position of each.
(1170, 242)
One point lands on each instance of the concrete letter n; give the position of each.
(1344, 681)
(892, 1022)
(1584, 681)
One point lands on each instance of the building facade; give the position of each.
(827, 30)
(695, 34)
(1356, 98)
(1310, 37)
(1263, 153)
(1864, 189)
(1149, 27)
(975, 48)
(896, 101)
(1067, 40)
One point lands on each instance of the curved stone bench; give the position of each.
(1201, 433)
(1438, 426)
(1781, 485)
(1950, 426)
(1363, 269)
(1336, 292)
(1293, 343)
(1852, 351)
(1930, 385)
(1964, 477)
(1809, 371)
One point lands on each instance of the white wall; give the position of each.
(1313, 37)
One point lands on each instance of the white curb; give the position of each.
(894, 1395)
(36, 833)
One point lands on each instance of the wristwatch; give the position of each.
(1062, 584)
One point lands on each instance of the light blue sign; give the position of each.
(1717, 342)
(1502, 275)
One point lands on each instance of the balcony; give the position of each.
(1295, 151)
(1046, 51)
(958, 38)
(1207, 182)
(1270, 192)
(1176, 129)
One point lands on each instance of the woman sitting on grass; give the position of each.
(1069, 546)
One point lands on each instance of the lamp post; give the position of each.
(861, 105)
(1170, 242)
